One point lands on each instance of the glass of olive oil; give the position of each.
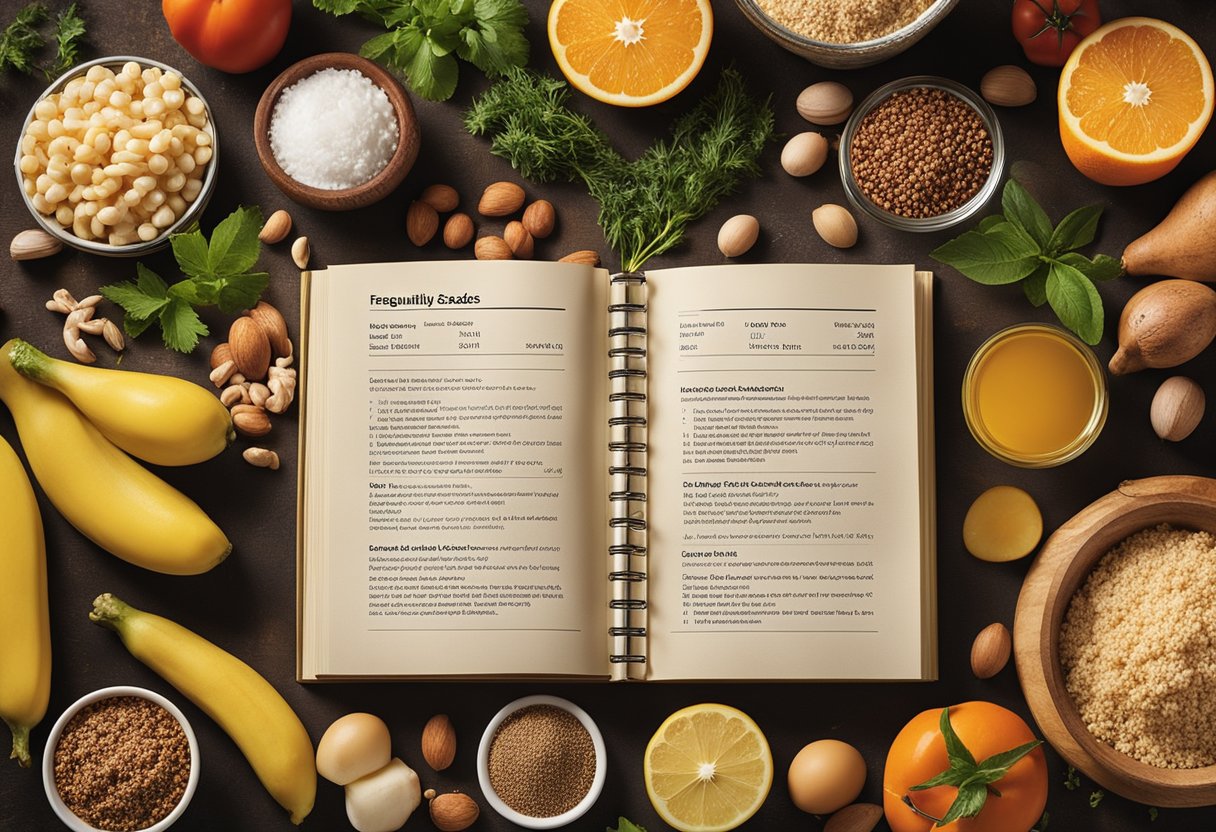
(1034, 396)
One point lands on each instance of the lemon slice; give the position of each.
(708, 768)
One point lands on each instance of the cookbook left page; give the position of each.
(452, 491)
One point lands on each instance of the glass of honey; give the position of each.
(1034, 396)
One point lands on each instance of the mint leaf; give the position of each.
(1075, 230)
(149, 282)
(134, 327)
(191, 253)
(1021, 210)
(994, 258)
(234, 244)
(180, 326)
(1075, 301)
(1035, 286)
(1101, 267)
(625, 825)
(242, 292)
(133, 300)
(195, 292)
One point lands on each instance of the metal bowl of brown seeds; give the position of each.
(541, 763)
(922, 154)
(120, 759)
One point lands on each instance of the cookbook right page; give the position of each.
(787, 476)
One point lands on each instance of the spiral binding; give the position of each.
(627, 470)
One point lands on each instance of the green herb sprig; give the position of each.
(217, 275)
(625, 825)
(426, 37)
(973, 780)
(21, 40)
(1021, 245)
(646, 204)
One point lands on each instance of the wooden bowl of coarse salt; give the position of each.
(1115, 631)
(336, 132)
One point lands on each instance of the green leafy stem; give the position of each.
(1020, 245)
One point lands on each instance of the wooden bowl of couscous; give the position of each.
(1115, 641)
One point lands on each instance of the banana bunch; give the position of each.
(232, 693)
(25, 629)
(75, 423)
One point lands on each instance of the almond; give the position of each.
(272, 323)
(586, 257)
(453, 812)
(990, 651)
(276, 229)
(835, 225)
(261, 458)
(518, 238)
(250, 420)
(442, 198)
(1008, 86)
(825, 103)
(738, 234)
(501, 199)
(856, 817)
(421, 223)
(439, 742)
(33, 244)
(220, 354)
(301, 251)
(250, 348)
(1177, 408)
(540, 218)
(458, 231)
(491, 248)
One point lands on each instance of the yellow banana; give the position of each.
(244, 704)
(160, 419)
(110, 498)
(25, 626)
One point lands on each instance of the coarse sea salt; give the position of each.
(334, 129)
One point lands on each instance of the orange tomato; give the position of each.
(919, 753)
(232, 35)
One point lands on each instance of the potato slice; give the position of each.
(1002, 524)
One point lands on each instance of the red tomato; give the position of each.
(919, 753)
(232, 35)
(1050, 29)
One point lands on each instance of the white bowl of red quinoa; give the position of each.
(120, 759)
(845, 34)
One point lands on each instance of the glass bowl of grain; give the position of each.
(922, 153)
(120, 759)
(335, 132)
(117, 154)
(542, 762)
(845, 34)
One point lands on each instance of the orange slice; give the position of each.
(1134, 98)
(632, 53)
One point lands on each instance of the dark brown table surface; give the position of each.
(247, 605)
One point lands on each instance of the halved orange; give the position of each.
(632, 53)
(1134, 98)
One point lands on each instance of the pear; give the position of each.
(1181, 244)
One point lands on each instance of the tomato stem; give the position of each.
(907, 801)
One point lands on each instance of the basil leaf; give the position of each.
(180, 326)
(337, 7)
(234, 244)
(1035, 286)
(191, 253)
(998, 765)
(1075, 301)
(241, 291)
(1075, 230)
(989, 223)
(1000, 256)
(1101, 267)
(969, 802)
(1021, 210)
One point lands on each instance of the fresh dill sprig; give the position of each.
(20, 41)
(69, 35)
(645, 205)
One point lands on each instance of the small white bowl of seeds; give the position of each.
(120, 759)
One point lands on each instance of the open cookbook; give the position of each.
(524, 469)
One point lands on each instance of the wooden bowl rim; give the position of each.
(1072, 551)
(396, 167)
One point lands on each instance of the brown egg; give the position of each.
(825, 776)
